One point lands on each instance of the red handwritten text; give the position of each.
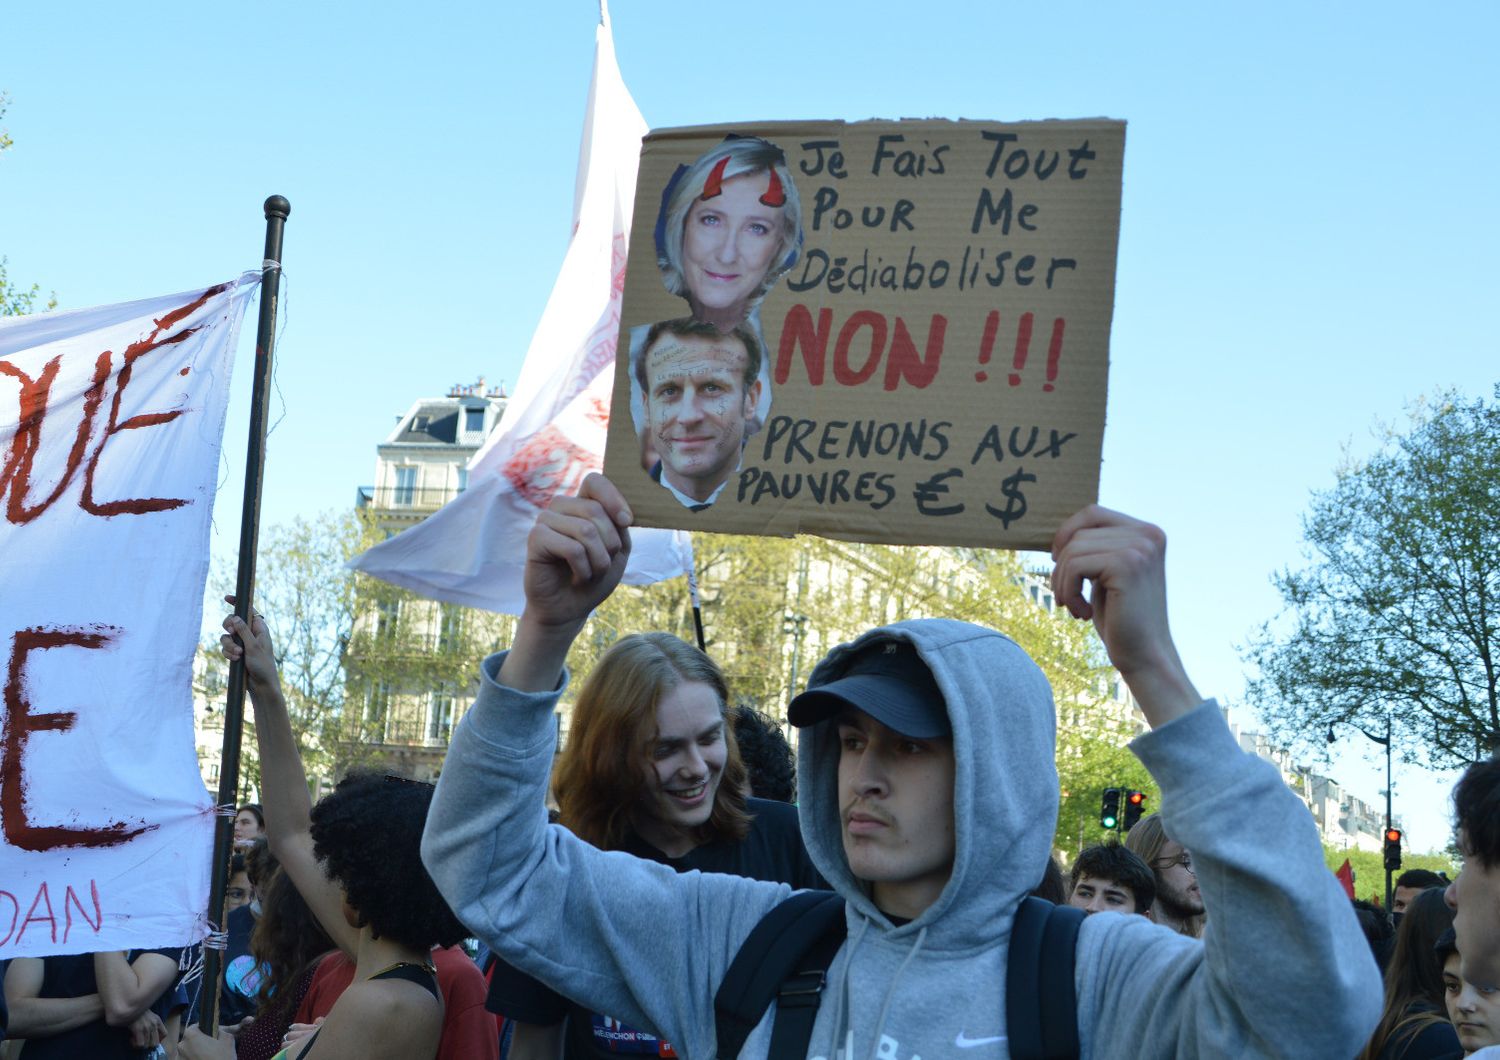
(20, 723)
(40, 912)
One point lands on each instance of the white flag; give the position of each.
(110, 423)
(472, 550)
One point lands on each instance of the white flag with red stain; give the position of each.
(472, 550)
(110, 423)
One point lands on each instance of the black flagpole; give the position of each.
(277, 210)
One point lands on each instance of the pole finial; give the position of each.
(277, 206)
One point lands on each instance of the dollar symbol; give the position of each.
(1015, 501)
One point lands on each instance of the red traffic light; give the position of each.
(1393, 835)
(1136, 798)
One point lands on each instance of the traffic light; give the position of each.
(1392, 849)
(1135, 805)
(1109, 812)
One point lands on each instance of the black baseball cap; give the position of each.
(888, 681)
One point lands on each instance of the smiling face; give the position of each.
(696, 407)
(1099, 895)
(728, 244)
(896, 807)
(1473, 1010)
(685, 762)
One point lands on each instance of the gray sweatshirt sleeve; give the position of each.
(617, 934)
(1282, 969)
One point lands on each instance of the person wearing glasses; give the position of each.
(1179, 903)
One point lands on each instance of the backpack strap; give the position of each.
(785, 958)
(1041, 998)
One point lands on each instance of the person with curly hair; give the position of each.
(354, 858)
(768, 757)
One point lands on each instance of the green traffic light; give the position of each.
(1109, 822)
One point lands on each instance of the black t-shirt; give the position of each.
(772, 850)
(242, 973)
(73, 976)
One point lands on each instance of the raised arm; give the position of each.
(284, 796)
(1254, 846)
(1124, 560)
(615, 933)
(32, 1016)
(575, 557)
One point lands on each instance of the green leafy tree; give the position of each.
(1397, 612)
(307, 597)
(1369, 868)
(409, 663)
(360, 659)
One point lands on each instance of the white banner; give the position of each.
(472, 550)
(110, 423)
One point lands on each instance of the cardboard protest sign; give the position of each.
(110, 422)
(882, 331)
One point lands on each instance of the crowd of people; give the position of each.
(889, 913)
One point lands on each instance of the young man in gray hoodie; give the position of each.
(929, 800)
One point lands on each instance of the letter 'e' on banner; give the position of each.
(110, 424)
(880, 331)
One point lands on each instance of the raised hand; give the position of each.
(576, 554)
(252, 642)
(1124, 562)
(575, 557)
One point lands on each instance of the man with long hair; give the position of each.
(1179, 902)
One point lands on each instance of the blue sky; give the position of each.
(1306, 243)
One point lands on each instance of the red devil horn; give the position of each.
(775, 195)
(714, 185)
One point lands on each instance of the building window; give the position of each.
(450, 628)
(440, 717)
(375, 708)
(474, 420)
(387, 617)
(463, 479)
(406, 485)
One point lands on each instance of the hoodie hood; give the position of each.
(1005, 780)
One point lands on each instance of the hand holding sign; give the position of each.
(1124, 560)
(575, 557)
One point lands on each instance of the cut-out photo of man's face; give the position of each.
(699, 387)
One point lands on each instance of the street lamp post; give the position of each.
(794, 623)
(1384, 741)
